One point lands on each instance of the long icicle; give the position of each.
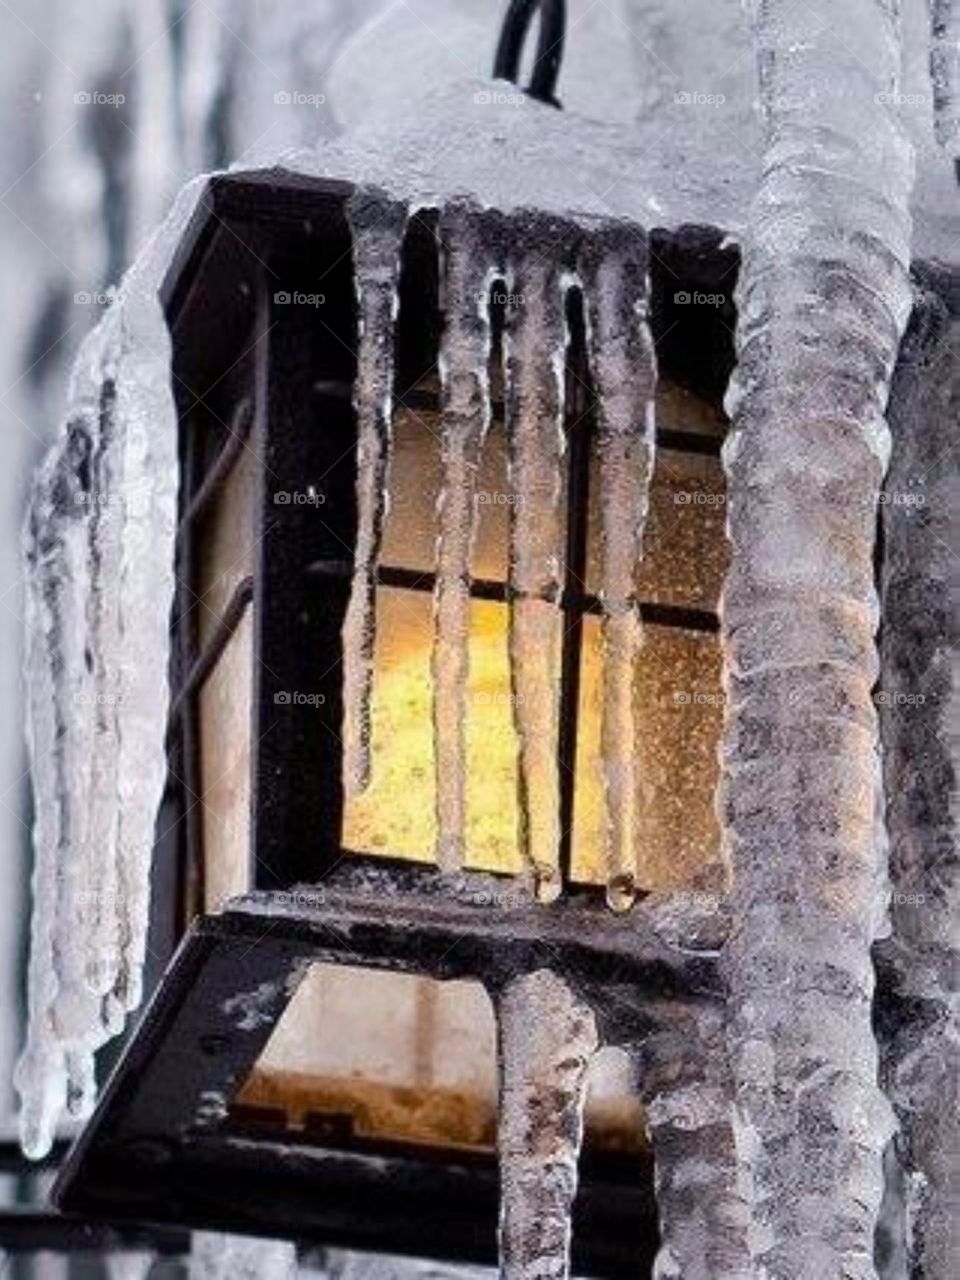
(99, 547)
(918, 706)
(464, 358)
(535, 347)
(378, 226)
(613, 266)
(58, 688)
(547, 1037)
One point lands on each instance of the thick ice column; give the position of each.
(613, 268)
(469, 269)
(378, 226)
(536, 346)
(921, 744)
(823, 301)
(547, 1037)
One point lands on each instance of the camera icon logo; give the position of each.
(682, 298)
(282, 699)
(282, 298)
(283, 98)
(83, 99)
(281, 498)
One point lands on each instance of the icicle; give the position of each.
(623, 365)
(464, 358)
(129, 1265)
(823, 300)
(535, 349)
(918, 706)
(378, 227)
(945, 70)
(99, 548)
(216, 1256)
(686, 1089)
(547, 1037)
(59, 737)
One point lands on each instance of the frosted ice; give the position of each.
(99, 545)
(535, 346)
(216, 1256)
(623, 365)
(547, 1037)
(823, 300)
(469, 271)
(129, 1265)
(378, 227)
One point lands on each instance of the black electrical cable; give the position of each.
(546, 68)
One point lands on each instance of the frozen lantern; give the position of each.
(446, 700)
(445, 603)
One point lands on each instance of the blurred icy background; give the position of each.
(111, 104)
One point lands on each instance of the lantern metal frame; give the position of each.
(166, 1143)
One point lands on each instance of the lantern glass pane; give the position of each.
(395, 815)
(226, 542)
(227, 715)
(684, 544)
(371, 1054)
(362, 1054)
(679, 711)
(412, 525)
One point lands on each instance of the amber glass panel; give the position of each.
(395, 815)
(366, 1054)
(225, 714)
(411, 528)
(226, 543)
(383, 1055)
(679, 709)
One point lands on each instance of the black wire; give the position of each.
(546, 68)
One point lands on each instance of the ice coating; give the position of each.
(685, 1085)
(129, 1265)
(945, 71)
(535, 347)
(547, 1037)
(216, 1256)
(99, 546)
(823, 300)
(920, 676)
(613, 268)
(469, 271)
(378, 226)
